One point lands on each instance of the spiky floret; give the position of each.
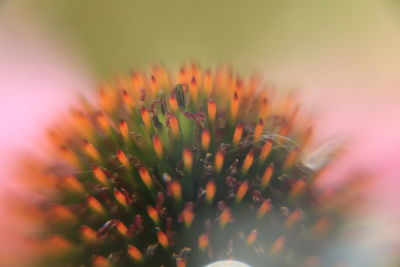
(182, 171)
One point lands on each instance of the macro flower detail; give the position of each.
(182, 170)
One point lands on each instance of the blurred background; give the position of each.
(343, 56)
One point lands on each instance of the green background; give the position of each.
(271, 35)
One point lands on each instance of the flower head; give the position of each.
(182, 170)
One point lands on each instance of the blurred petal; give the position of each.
(37, 80)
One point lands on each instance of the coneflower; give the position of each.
(182, 170)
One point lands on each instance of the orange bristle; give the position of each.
(135, 253)
(69, 156)
(219, 160)
(187, 157)
(193, 89)
(137, 81)
(154, 85)
(123, 158)
(234, 106)
(124, 130)
(187, 216)
(128, 101)
(174, 126)
(225, 217)
(258, 130)
(157, 146)
(290, 159)
(91, 151)
(88, 235)
(263, 108)
(176, 190)
(103, 122)
(241, 192)
(264, 208)
(146, 178)
(321, 226)
(56, 245)
(207, 83)
(212, 111)
(100, 175)
(120, 197)
(162, 239)
(293, 218)
(173, 103)
(95, 205)
(146, 118)
(62, 214)
(108, 98)
(297, 188)
(121, 227)
(248, 161)
(100, 261)
(265, 151)
(278, 245)
(252, 237)
(180, 262)
(83, 124)
(205, 139)
(266, 178)
(211, 189)
(203, 241)
(237, 134)
(182, 76)
(71, 183)
(153, 214)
